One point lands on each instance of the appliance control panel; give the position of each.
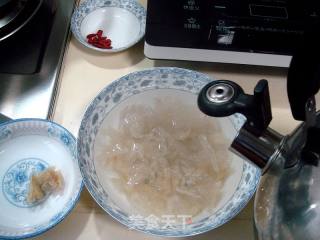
(258, 26)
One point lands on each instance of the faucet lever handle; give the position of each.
(223, 98)
(261, 114)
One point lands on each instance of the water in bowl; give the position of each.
(157, 154)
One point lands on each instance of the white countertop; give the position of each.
(86, 72)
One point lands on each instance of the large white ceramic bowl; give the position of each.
(122, 21)
(29, 146)
(143, 87)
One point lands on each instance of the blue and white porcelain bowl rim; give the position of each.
(53, 224)
(109, 210)
(76, 30)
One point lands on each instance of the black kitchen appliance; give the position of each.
(33, 37)
(257, 32)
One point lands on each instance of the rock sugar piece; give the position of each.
(43, 184)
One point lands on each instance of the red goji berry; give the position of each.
(97, 40)
(91, 35)
(99, 33)
(98, 45)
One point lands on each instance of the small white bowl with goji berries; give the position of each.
(109, 26)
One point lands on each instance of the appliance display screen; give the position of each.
(268, 11)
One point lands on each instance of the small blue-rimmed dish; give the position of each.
(29, 146)
(122, 21)
(144, 87)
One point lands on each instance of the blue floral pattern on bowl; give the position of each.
(5, 134)
(89, 6)
(64, 137)
(16, 180)
(135, 83)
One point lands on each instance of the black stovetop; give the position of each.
(23, 51)
(31, 59)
